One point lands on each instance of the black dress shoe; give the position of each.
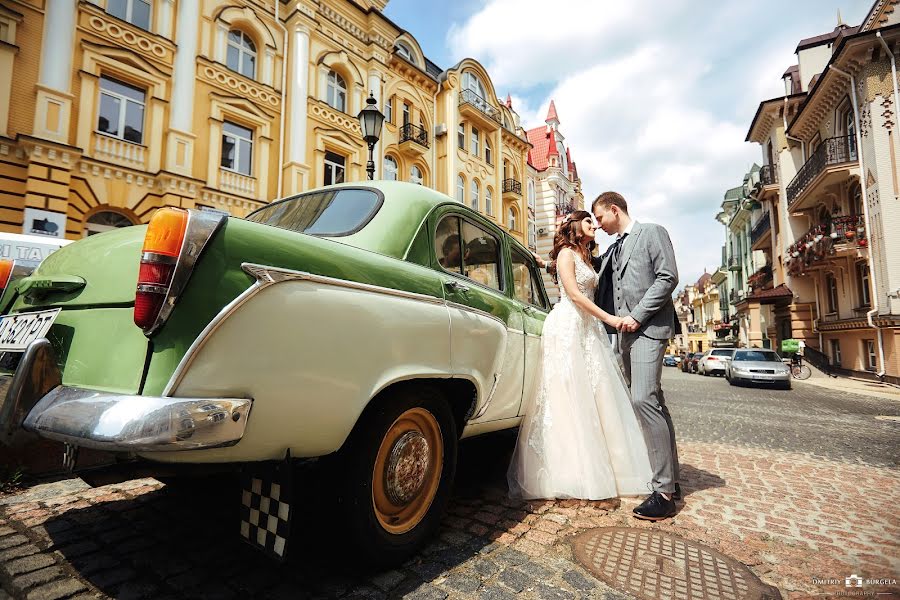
(677, 494)
(655, 508)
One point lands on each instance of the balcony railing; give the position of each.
(768, 175)
(119, 151)
(229, 181)
(564, 208)
(847, 232)
(511, 185)
(734, 264)
(471, 98)
(761, 278)
(414, 133)
(833, 151)
(760, 229)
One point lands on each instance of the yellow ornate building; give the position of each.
(110, 109)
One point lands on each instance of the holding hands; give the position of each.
(628, 324)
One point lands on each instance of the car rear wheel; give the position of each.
(398, 473)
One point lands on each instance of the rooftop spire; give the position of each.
(551, 113)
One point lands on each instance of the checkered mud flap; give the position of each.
(69, 457)
(266, 511)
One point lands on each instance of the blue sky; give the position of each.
(654, 99)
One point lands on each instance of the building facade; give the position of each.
(111, 109)
(553, 187)
(829, 182)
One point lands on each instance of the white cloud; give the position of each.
(653, 104)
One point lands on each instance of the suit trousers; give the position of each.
(642, 365)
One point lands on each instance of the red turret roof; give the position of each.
(509, 101)
(551, 114)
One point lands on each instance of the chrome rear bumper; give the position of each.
(34, 400)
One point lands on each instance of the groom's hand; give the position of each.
(629, 324)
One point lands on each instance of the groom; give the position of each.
(637, 278)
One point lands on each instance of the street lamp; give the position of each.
(370, 121)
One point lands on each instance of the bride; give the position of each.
(579, 437)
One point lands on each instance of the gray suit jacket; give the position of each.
(645, 279)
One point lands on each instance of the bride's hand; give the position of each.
(613, 321)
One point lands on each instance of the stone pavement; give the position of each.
(797, 513)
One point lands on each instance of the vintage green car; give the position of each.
(375, 324)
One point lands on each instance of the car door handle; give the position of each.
(529, 310)
(455, 286)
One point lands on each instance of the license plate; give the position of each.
(762, 378)
(17, 331)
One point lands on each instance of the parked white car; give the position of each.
(715, 361)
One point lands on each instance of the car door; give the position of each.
(531, 299)
(487, 335)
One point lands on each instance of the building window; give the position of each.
(832, 292)
(471, 82)
(415, 175)
(460, 189)
(511, 219)
(404, 51)
(531, 199)
(334, 168)
(389, 110)
(461, 136)
(136, 12)
(488, 153)
(390, 168)
(489, 201)
(869, 352)
(336, 96)
(862, 278)
(121, 110)
(237, 148)
(406, 113)
(476, 193)
(105, 221)
(241, 54)
(532, 235)
(474, 142)
(836, 353)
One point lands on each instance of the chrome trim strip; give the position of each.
(490, 399)
(158, 258)
(201, 226)
(533, 335)
(476, 311)
(518, 331)
(130, 423)
(151, 288)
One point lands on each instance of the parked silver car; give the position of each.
(714, 361)
(759, 366)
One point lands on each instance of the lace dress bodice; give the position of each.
(585, 277)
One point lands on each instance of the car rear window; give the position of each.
(721, 352)
(755, 356)
(326, 213)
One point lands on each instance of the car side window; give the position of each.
(447, 245)
(524, 286)
(481, 256)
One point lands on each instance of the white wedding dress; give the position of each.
(579, 437)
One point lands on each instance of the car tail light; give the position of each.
(174, 241)
(6, 267)
(712, 358)
(162, 246)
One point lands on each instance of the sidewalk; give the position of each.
(851, 385)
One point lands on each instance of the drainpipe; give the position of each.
(434, 140)
(894, 75)
(284, 59)
(862, 176)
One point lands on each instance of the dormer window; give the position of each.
(336, 96)
(404, 51)
(241, 55)
(472, 83)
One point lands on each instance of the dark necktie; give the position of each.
(617, 248)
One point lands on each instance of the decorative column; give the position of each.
(54, 101)
(378, 154)
(180, 142)
(296, 171)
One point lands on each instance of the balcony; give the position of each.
(761, 280)
(480, 110)
(235, 183)
(832, 161)
(120, 152)
(511, 186)
(734, 264)
(760, 232)
(768, 175)
(842, 236)
(413, 140)
(564, 208)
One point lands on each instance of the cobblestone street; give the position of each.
(798, 485)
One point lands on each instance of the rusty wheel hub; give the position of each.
(406, 467)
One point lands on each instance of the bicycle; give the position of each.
(798, 369)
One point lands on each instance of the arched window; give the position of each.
(336, 96)
(241, 55)
(531, 194)
(476, 192)
(404, 51)
(390, 168)
(472, 83)
(460, 189)
(511, 219)
(489, 201)
(415, 175)
(105, 221)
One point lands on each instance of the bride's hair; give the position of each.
(568, 235)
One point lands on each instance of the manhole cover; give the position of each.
(653, 565)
